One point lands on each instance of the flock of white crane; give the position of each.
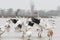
(26, 24)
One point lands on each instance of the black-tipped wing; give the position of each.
(14, 21)
(30, 23)
(37, 21)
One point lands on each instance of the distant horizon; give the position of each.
(25, 4)
(14, 9)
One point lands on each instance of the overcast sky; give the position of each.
(25, 4)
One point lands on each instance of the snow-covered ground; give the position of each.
(17, 35)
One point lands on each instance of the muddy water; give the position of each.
(17, 36)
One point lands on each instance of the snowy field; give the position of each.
(17, 35)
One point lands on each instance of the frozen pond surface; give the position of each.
(17, 36)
